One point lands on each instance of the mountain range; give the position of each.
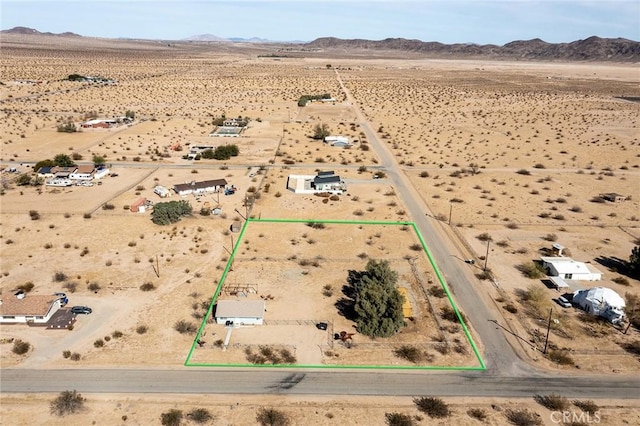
(590, 49)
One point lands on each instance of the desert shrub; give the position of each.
(587, 406)
(71, 286)
(632, 347)
(561, 357)
(484, 237)
(316, 225)
(141, 329)
(477, 413)
(87, 215)
(272, 417)
(410, 353)
(433, 407)
(398, 419)
(550, 237)
(26, 287)
(67, 402)
(59, 277)
(117, 334)
(66, 354)
(424, 174)
(449, 314)
(75, 356)
(327, 290)
(94, 286)
(552, 402)
(98, 343)
(437, 291)
(523, 172)
(484, 275)
(531, 270)
(184, 327)
(512, 225)
(416, 247)
(205, 212)
(20, 347)
(523, 417)
(511, 308)
(34, 215)
(148, 286)
(200, 415)
(172, 417)
(108, 206)
(621, 280)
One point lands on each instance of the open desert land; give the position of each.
(514, 150)
(228, 410)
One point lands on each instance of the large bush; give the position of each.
(377, 301)
(68, 402)
(224, 152)
(170, 212)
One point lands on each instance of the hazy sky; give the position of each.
(447, 21)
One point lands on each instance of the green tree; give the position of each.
(170, 212)
(23, 180)
(377, 301)
(98, 160)
(68, 127)
(207, 154)
(224, 152)
(130, 114)
(634, 261)
(63, 160)
(321, 131)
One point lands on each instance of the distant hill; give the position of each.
(205, 37)
(590, 49)
(31, 31)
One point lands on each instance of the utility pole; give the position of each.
(450, 210)
(486, 257)
(546, 341)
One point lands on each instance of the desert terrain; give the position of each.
(518, 151)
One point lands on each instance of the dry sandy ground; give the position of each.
(563, 123)
(241, 410)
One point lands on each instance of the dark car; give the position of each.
(81, 310)
(321, 325)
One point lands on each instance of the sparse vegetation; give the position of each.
(20, 347)
(67, 402)
(433, 407)
(272, 417)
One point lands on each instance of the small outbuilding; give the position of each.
(240, 312)
(602, 302)
(139, 206)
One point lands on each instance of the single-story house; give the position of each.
(98, 124)
(234, 122)
(63, 172)
(601, 301)
(569, 269)
(322, 182)
(243, 312)
(28, 308)
(199, 187)
(84, 172)
(333, 140)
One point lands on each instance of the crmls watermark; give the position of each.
(575, 417)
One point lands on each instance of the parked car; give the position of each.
(81, 310)
(321, 325)
(562, 301)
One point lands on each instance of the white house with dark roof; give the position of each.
(199, 187)
(321, 182)
(28, 308)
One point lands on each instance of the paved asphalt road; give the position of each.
(506, 375)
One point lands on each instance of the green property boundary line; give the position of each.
(476, 352)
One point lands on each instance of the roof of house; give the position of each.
(240, 308)
(87, 168)
(44, 170)
(326, 173)
(326, 179)
(58, 169)
(31, 304)
(566, 265)
(199, 185)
